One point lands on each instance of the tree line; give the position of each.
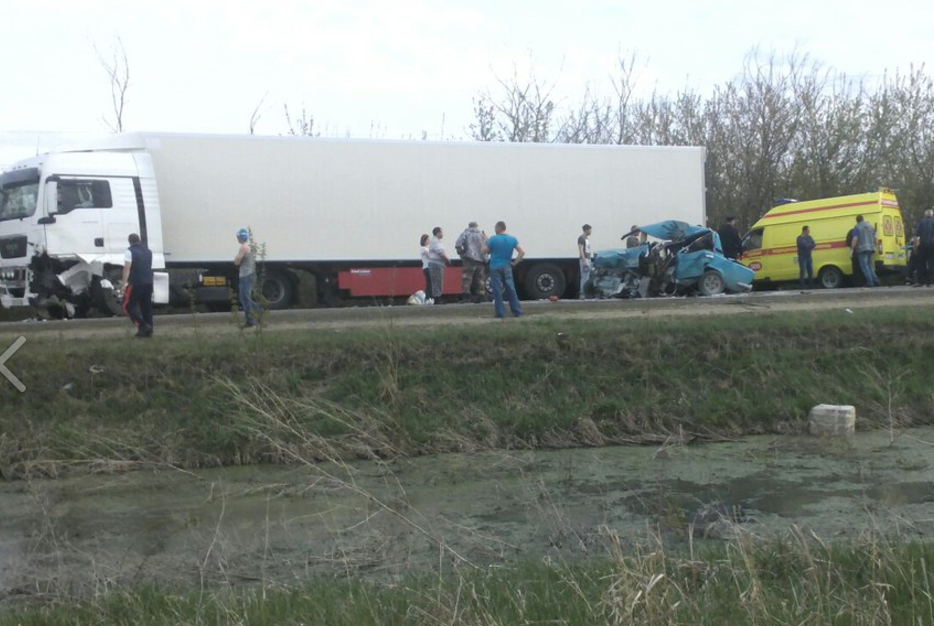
(784, 127)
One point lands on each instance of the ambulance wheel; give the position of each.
(830, 277)
(711, 283)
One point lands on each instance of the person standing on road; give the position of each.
(423, 253)
(924, 248)
(730, 240)
(437, 260)
(805, 262)
(469, 247)
(137, 281)
(585, 256)
(857, 272)
(864, 245)
(246, 261)
(500, 247)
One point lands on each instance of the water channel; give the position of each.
(95, 532)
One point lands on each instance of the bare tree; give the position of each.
(484, 126)
(522, 112)
(785, 127)
(258, 113)
(117, 68)
(303, 126)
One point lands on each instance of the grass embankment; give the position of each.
(540, 383)
(790, 581)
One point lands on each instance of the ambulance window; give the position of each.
(752, 240)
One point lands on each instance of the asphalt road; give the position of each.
(840, 300)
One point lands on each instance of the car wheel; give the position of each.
(711, 283)
(107, 299)
(830, 277)
(590, 290)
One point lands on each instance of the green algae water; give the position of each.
(384, 521)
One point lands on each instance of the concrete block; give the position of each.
(833, 420)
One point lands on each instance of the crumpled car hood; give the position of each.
(672, 230)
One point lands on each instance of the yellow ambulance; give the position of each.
(770, 247)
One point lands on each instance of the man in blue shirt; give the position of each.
(500, 247)
(805, 263)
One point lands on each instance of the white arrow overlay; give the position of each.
(3, 359)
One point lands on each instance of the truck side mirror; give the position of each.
(52, 201)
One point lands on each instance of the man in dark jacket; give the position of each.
(730, 240)
(138, 279)
(924, 248)
(805, 244)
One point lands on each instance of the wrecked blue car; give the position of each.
(678, 259)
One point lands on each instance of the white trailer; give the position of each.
(348, 211)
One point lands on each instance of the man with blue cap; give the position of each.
(246, 261)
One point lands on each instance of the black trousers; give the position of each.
(138, 304)
(924, 266)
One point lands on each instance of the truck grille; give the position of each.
(13, 247)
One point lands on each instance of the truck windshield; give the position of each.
(19, 191)
(18, 201)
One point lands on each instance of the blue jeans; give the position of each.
(251, 309)
(585, 274)
(805, 267)
(501, 278)
(865, 264)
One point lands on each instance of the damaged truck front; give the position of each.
(64, 223)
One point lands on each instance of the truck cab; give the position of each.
(64, 223)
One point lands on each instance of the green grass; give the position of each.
(181, 400)
(782, 581)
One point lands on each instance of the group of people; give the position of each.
(861, 241)
(139, 279)
(500, 253)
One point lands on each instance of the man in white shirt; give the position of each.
(584, 256)
(437, 260)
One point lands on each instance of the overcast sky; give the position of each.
(398, 68)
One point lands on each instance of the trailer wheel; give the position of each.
(544, 280)
(278, 290)
(711, 283)
(830, 277)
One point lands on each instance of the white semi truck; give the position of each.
(350, 212)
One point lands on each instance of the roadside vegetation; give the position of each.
(194, 401)
(786, 126)
(791, 580)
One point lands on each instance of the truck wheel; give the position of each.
(711, 283)
(107, 300)
(830, 277)
(544, 280)
(278, 290)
